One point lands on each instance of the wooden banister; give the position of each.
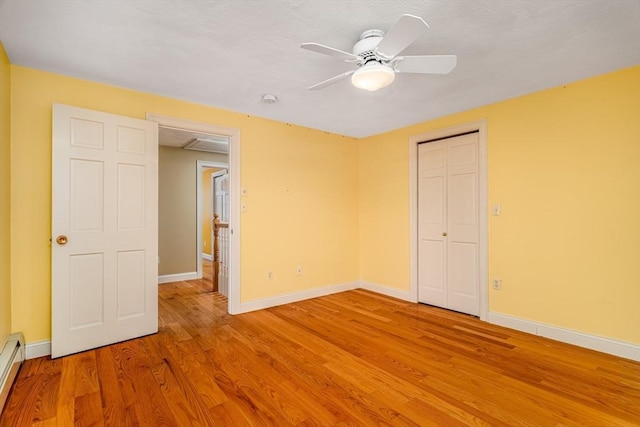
(217, 225)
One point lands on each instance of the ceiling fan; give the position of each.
(377, 60)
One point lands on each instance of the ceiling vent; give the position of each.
(212, 144)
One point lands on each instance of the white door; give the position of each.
(448, 224)
(221, 195)
(221, 207)
(105, 229)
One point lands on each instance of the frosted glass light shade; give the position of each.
(373, 76)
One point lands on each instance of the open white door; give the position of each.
(221, 194)
(221, 207)
(105, 229)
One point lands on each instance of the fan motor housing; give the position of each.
(368, 41)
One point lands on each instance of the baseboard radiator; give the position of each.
(11, 359)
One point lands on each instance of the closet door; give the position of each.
(448, 231)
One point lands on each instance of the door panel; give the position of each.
(104, 277)
(86, 194)
(131, 197)
(130, 300)
(432, 212)
(432, 258)
(463, 283)
(86, 290)
(463, 207)
(462, 151)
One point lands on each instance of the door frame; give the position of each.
(201, 165)
(481, 127)
(234, 194)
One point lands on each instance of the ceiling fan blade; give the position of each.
(331, 81)
(336, 53)
(402, 34)
(427, 64)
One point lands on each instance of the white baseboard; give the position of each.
(207, 257)
(593, 342)
(180, 277)
(263, 303)
(385, 290)
(38, 349)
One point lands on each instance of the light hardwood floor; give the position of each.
(355, 358)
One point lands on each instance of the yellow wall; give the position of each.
(5, 137)
(302, 209)
(302, 202)
(177, 226)
(564, 163)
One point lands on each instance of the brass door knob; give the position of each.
(444, 233)
(61, 240)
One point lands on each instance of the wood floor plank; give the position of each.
(40, 384)
(115, 411)
(21, 404)
(65, 411)
(349, 359)
(193, 362)
(139, 388)
(88, 410)
(51, 422)
(86, 373)
(47, 399)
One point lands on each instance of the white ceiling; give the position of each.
(229, 53)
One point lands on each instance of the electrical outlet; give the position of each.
(269, 275)
(497, 283)
(299, 270)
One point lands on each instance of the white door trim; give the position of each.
(201, 166)
(234, 194)
(414, 140)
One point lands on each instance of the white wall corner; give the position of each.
(405, 295)
(38, 349)
(581, 339)
(180, 277)
(263, 303)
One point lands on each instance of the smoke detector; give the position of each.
(269, 99)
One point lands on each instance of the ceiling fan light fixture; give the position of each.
(373, 76)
